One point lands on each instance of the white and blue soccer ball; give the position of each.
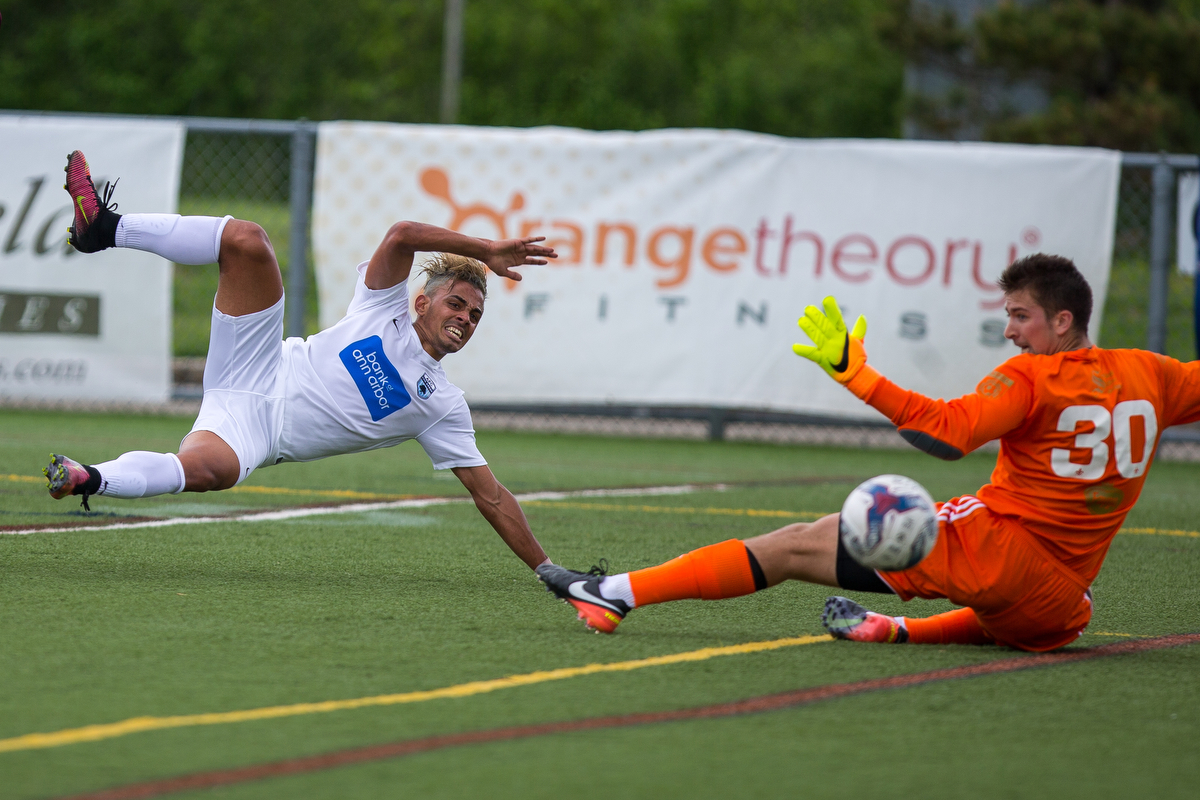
(888, 523)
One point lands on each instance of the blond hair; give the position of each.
(446, 268)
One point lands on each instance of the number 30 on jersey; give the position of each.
(1118, 423)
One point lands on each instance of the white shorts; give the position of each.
(241, 402)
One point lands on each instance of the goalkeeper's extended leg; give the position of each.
(804, 551)
(846, 619)
(716, 572)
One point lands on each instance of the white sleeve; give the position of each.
(450, 442)
(394, 299)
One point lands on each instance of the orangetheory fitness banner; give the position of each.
(73, 326)
(686, 256)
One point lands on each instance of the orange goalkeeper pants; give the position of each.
(1022, 595)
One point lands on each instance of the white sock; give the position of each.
(184, 240)
(141, 474)
(617, 587)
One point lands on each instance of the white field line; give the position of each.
(358, 508)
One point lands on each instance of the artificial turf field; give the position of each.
(98, 627)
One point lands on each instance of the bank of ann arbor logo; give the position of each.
(376, 378)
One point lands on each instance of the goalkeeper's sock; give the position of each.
(140, 474)
(960, 626)
(184, 240)
(716, 572)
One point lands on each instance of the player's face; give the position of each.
(446, 321)
(1028, 326)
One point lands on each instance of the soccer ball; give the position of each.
(888, 523)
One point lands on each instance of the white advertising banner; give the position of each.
(685, 257)
(74, 326)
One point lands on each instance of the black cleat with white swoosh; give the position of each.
(582, 590)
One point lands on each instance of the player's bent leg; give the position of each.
(249, 279)
(804, 551)
(209, 463)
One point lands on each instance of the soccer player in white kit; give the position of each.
(372, 380)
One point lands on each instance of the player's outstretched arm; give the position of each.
(944, 429)
(393, 259)
(501, 509)
(834, 349)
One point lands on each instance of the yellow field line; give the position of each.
(1161, 532)
(732, 512)
(321, 493)
(94, 733)
(22, 478)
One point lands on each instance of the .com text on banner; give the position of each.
(685, 257)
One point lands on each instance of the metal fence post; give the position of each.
(1160, 247)
(300, 209)
(717, 417)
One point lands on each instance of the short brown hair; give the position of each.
(1055, 283)
(446, 268)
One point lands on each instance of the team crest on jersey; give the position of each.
(994, 384)
(425, 387)
(376, 377)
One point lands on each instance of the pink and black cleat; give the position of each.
(845, 619)
(95, 225)
(66, 476)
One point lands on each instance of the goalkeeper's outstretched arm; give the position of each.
(945, 429)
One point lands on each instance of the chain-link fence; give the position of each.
(1125, 321)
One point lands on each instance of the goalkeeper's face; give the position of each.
(447, 319)
(1033, 330)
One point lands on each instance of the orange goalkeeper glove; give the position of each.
(839, 353)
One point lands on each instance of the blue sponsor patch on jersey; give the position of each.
(376, 378)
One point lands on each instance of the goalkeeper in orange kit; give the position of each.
(1077, 426)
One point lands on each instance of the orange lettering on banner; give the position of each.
(910, 241)
(573, 244)
(723, 242)
(680, 263)
(602, 231)
(843, 253)
(528, 226)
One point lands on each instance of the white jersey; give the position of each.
(366, 383)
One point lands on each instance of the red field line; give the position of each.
(753, 705)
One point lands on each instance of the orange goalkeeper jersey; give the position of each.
(1077, 434)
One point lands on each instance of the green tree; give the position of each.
(793, 67)
(1118, 73)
